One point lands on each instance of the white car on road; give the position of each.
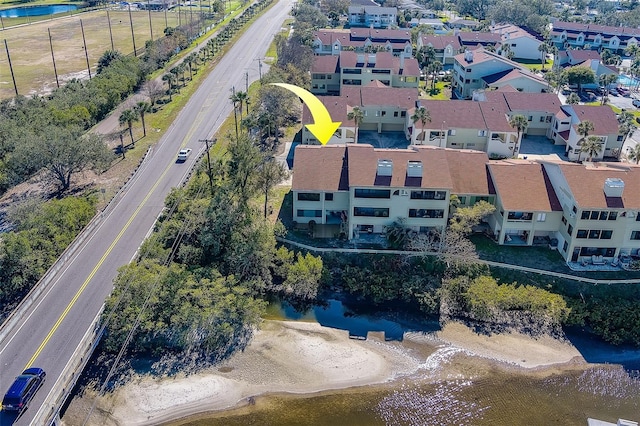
(183, 155)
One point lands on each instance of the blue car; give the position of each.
(23, 389)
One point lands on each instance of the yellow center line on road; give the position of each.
(93, 272)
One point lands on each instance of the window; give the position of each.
(530, 118)
(328, 196)
(403, 113)
(635, 235)
(638, 217)
(395, 113)
(371, 211)
(570, 230)
(482, 133)
(428, 195)
(575, 209)
(308, 196)
(372, 193)
(604, 215)
(432, 213)
(541, 217)
(606, 235)
(582, 233)
(613, 215)
(594, 234)
(595, 215)
(548, 119)
(564, 220)
(451, 132)
(585, 215)
(462, 200)
(519, 216)
(542, 119)
(309, 213)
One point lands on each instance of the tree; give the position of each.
(520, 123)
(141, 108)
(579, 75)
(627, 125)
(270, 174)
(425, 56)
(423, 115)
(170, 78)
(464, 219)
(128, 116)
(592, 146)
(303, 276)
(434, 69)
(606, 80)
(634, 154)
(64, 152)
(106, 59)
(544, 49)
(574, 99)
(153, 89)
(476, 8)
(584, 128)
(357, 116)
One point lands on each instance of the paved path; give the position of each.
(487, 262)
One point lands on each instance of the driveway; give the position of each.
(540, 146)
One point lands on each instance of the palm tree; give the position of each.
(592, 146)
(243, 99)
(583, 130)
(634, 154)
(606, 80)
(234, 100)
(169, 78)
(520, 123)
(423, 115)
(128, 116)
(544, 48)
(357, 115)
(436, 67)
(141, 109)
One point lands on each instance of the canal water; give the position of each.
(460, 390)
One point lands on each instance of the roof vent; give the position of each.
(468, 55)
(360, 59)
(613, 187)
(414, 169)
(372, 58)
(385, 168)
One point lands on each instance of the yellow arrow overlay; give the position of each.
(323, 127)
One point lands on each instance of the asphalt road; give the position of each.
(52, 329)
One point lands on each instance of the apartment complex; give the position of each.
(331, 73)
(361, 40)
(372, 16)
(522, 43)
(476, 70)
(587, 209)
(592, 36)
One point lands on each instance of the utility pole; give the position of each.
(260, 70)
(133, 37)
(246, 81)
(213, 142)
(13, 77)
(110, 32)
(86, 54)
(55, 71)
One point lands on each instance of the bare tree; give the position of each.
(154, 89)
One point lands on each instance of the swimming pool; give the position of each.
(625, 80)
(17, 12)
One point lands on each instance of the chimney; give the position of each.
(401, 62)
(468, 55)
(372, 58)
(360, 59)
(414, 169)
(613, 187)
(385, 168)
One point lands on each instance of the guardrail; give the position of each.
(18, 313)
(48, 414)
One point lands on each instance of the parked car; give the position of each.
(623, 91)
(23, 389)
(184, 154)
(614, 92)
(636, 103)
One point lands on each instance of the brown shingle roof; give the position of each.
(328, 36)
(325, 64)
(523, 186)
(473, 37)
(520, 101)
(320, 168)
(369, 95)
(579, 55)
(603, 118)
(439, 42)
(363, 164)
(468, 171)
(594, 28)
(455, 113)
(587, 184)
(495, 116)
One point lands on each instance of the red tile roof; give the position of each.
(587, 184)
(523, 186)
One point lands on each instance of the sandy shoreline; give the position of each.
(299, 357)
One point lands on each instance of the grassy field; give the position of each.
(30, 51)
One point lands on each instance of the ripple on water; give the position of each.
(417, 405)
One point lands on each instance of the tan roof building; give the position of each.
(523, 186)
